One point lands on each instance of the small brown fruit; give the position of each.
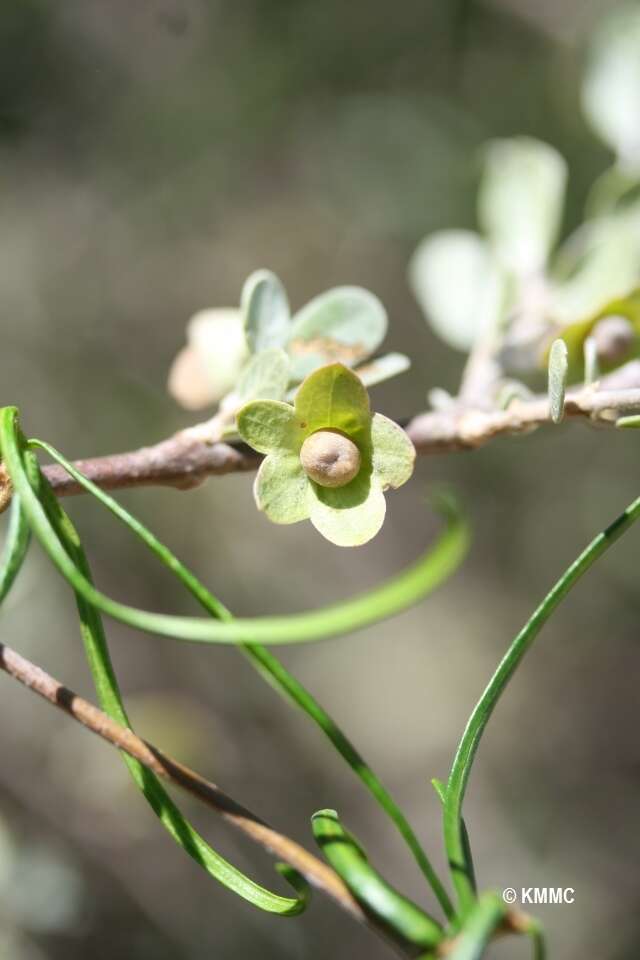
(614, 337)
(330, 459)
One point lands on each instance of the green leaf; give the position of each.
(558, 367)
(345, 324)
(599, 262)
(349, 516)
(265, 310)
(458, 285)
(270, 425)
(404, 920)
(282, 489)
(520, 201)
(393, 455)
(383, 368)
(334, 398)
(265, 377)
(611, 88)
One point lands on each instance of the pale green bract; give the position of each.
(331, 398)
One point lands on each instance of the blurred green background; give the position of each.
(152, 154)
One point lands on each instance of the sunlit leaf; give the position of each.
(393, 454)
(611, 88)
(349, 516)
(265, 377)
(265, 310)
(459, 286)
(346, 324)
(520, 201)
(333, 397)
(282, 490)
(270, 426)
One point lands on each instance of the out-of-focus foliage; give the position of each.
(153, 154)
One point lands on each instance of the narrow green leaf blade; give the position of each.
(404, 920)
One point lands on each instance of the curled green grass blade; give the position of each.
(163, 806)
(275, 674)
(405, 922)
(454, 836)
(390, 598)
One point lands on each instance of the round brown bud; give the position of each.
(614, 337)
(329, 458)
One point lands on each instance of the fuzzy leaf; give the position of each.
(393, 454)
(611, 89)
(346, 324)
(266, 312)
(459, 286)
(349, 516)
(334, 398)
(270, 425)
(265, 377)
(282, 490)
(520, 201)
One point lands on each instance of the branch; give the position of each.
(186, 459)
(315, 871)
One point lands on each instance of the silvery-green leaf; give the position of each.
(599, 262)
(558, 369)
(611, 88)
(265, 377)
(520, 201)
(345, 324)
(282, 490)
(459, 286)
(265, 308)
(209, 366)
(383, 368)
(393, 456)
(348, 516)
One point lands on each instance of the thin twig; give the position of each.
(316, 873)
